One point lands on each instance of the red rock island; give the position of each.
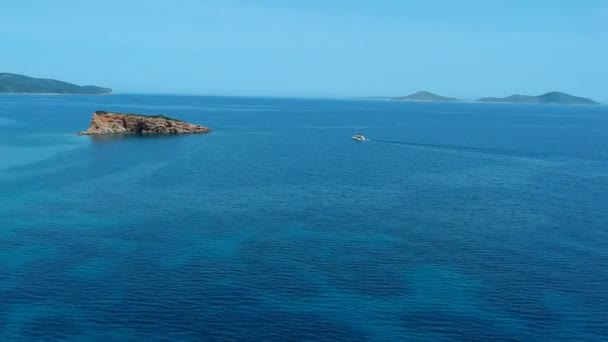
(123, 123)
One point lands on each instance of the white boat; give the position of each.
(358, 137)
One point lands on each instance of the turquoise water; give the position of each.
(456, 222)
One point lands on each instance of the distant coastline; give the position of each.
(21, 84)
(553, 97)
(16, 84)
(55, 94)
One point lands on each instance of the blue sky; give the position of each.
(312, 48)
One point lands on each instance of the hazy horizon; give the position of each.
(340, 49)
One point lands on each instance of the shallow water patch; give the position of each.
(12, 156)
(7, 121)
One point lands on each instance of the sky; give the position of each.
(312, 48)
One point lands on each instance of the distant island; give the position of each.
(20, 84)
(127, 123)
(425, 96)
(553, 97)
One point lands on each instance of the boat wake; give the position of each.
(494, 151)
(460, 148)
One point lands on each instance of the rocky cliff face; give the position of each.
(120, 123)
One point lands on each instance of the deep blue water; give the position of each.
(456, 222)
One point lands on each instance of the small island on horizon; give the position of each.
(425, 96)
(553, 97)
(105, 123)
(21, 84)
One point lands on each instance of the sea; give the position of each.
(454, 222)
